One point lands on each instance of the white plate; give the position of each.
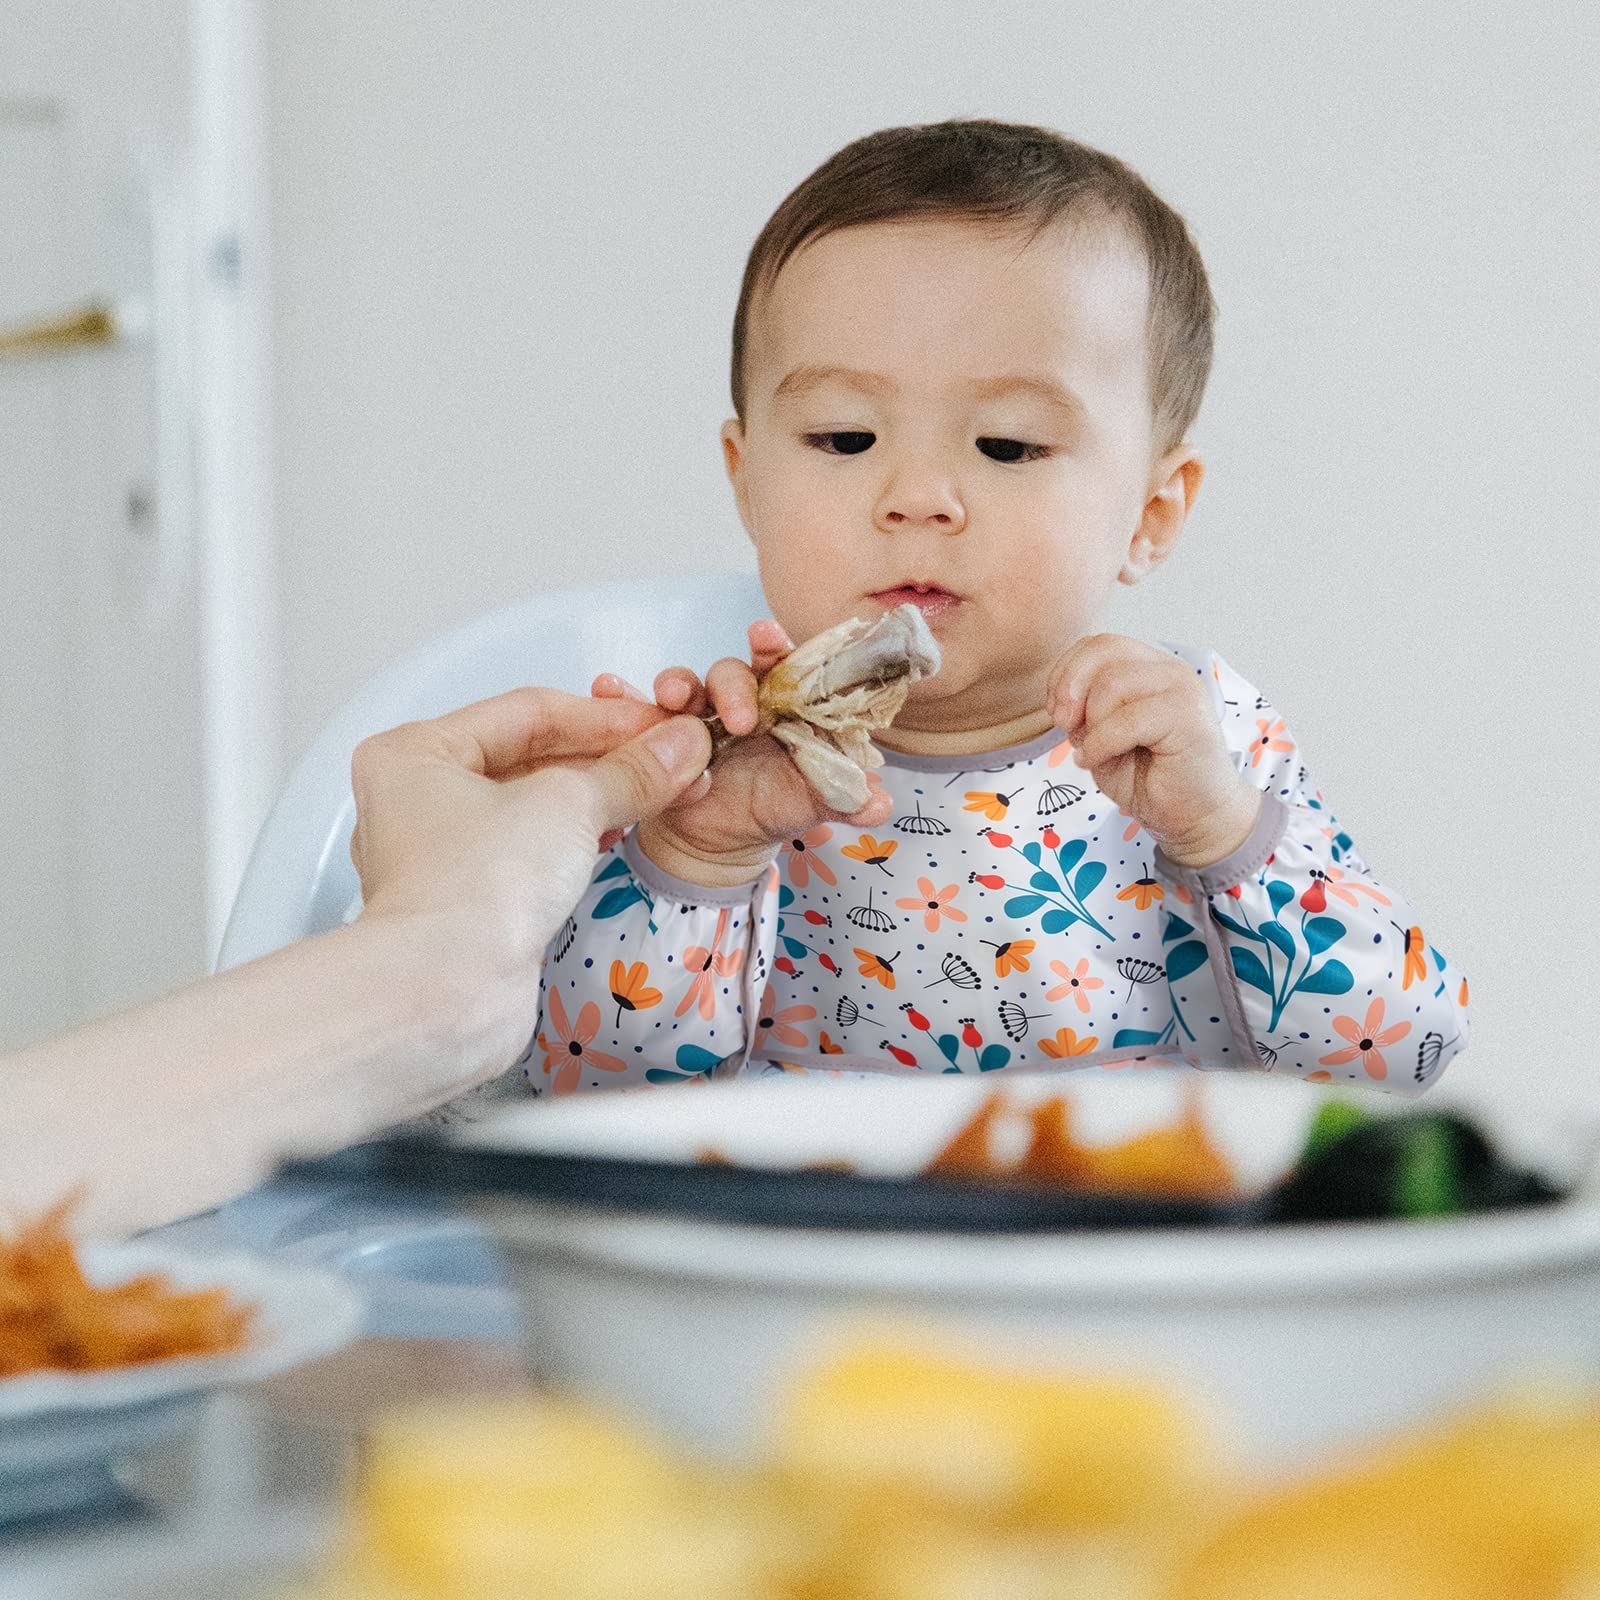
(1303, 1336)
(60, 1430)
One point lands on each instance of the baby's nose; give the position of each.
(925, 501)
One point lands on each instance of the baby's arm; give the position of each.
(652, 979)
(1320, 969)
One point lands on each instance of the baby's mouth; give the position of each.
(931, 600)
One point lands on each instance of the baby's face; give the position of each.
(939, 414)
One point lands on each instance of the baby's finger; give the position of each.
(731, 685)
(769, 644)
(608, 686)
(1155, 723)
(678, 689)
(878, 809)
(1125, 679)
(1083, 667)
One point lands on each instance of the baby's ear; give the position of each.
(1174, 482)
(733, 459)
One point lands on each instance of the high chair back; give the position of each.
(300, 880)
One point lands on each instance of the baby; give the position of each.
(965, 360)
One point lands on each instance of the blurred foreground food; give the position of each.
(53, 1319)
(895, 1474)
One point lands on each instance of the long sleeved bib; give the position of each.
(1009, 916)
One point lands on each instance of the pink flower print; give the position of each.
(1367, 1040)
(1059, 753)
(799, 856)
(1133, 825)
(1077, 985)
(707, 966)
(569, 1053)
(1342, 887)
(780, 1025)
(1268, 737)
(933, 904)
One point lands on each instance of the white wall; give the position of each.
(508, 241)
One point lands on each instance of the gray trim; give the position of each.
(1244, 1041)
(1272, 821)
(976, 760)
(680, 889)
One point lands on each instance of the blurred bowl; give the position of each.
(1307, 1335)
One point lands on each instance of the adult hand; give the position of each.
(493, 814)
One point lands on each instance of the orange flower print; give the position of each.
(1012, 956)
(827, 1046)
(780, 1025)
(1067, 1043)
(1461, 998)
(1144, 892)
(933, 904)
(875, 852)
(1367, 1041)
(1078, 983)
(800, 857)
(1133, 825)
(1416, 955)
(568, 1053)
(629, 988)
(990, 803)
(1268, 738)
(879, 967)
(707, 966)
(1059, 753)
(1345, 888)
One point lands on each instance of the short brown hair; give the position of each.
(1009, 174)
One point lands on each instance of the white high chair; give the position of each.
(300, 880)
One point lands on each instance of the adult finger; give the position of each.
(503, 736)
(648, 773)
(731, 686)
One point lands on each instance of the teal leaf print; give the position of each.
(1247, 965)
(1058, 920)
(1024, 905)
(1133, 1036)
(1280, 894)
(793, 946)
(693, 1062)
(1088, 879)
(617, 869)
(1321, 932)
(1031, 853)
(1070, 854)
(1185, 958)
(1045, 881)
(1235, 927)
(1176, 929)
(615, 901)
(1278, 937)
(994, 1057)
(1332, 977)
(948, 1046)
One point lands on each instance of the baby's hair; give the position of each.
(1013, 176)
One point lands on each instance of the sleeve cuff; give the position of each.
(665, 886)
(1245, 862)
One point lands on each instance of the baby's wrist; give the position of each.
(710, 869)
(1223, 832)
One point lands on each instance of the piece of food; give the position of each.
(52, 1318)
(1180, 1160)
(826, 698)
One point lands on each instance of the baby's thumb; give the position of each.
(648, 773)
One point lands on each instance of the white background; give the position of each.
(506, 245)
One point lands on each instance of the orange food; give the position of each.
(1179, 1160)
(53, 1318)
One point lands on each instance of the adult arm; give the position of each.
(475, 835)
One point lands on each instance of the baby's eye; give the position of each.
(1010, 450)
(841, 444)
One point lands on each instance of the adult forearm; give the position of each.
(187, 1101)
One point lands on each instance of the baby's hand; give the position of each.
(725, 831)
(1142, 725)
